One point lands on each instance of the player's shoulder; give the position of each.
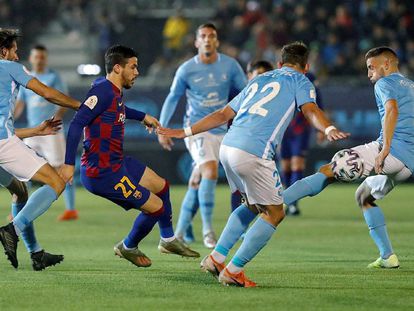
(228, 60)
(102, 89)
(188, 64)
(385, 83)
(11, 65)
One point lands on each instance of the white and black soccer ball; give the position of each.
(347, 165)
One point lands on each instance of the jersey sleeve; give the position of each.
(19, 73)
(384, 90)
(305, 92)
(236, 102)
(177, 90)
(238, 77)
(134, 114)
(94, 105)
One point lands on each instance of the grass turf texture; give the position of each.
(316, 261)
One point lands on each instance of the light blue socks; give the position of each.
(256, 238)
(236, 225)
(206, 197)
(69, 196)
(186, 212)
(38, 203)
(308, 186)
(378, 230)
(28, 234)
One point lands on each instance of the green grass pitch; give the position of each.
(314, 262)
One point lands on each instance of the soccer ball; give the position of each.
(347, 165)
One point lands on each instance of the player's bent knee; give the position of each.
(274, 214)
(153, 205)
(363, 195)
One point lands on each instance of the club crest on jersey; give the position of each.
(137, 194)
(91, 102)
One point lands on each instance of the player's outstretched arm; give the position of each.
(48, 127)
(213, 120)
(52, 94)
(149, 121)
(390, 122)
(319, 120)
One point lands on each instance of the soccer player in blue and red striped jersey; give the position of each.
(106, 172)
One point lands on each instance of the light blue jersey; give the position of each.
(265, 108)
(12, 75)
(207, 87)
(398, 87)
(39, 109)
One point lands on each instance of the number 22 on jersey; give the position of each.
(257, 108)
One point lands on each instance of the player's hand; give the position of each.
(66, 172)
(165, 142)
(49, 127)
(150, 123)
(379, 160)
(174, 133)
(336, 134)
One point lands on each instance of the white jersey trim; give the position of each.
(277, 129)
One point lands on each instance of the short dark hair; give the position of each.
(118, 54)
(379, 51)
(267, 66)
(295, 53)
(7, 37)
(206, 25)
(39, 47)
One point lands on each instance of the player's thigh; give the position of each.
(234, 180)
(152, 181)
(19, 160)
(258, 178)
(368, 152)
(204, 147)
(53, 149)
(121, 187)
(262, 182)
(139, 173)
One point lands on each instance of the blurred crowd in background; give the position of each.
(338, 32)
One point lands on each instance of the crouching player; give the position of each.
(106, 172)
(391, 156)
(261, 113)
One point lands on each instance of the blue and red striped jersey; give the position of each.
(102, 116)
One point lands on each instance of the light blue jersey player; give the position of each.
(261, 113)
(51, 147)
(391, 156)
(208, 80)
(21, 163)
